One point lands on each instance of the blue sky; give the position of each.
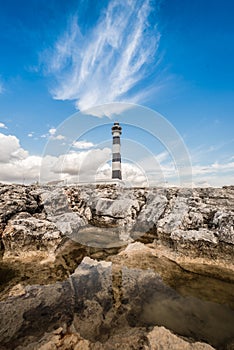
(175, 57)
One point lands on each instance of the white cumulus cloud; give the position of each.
(59, 137)
(52, 131)
(82, 144)
(3, 126)
(88, 165)
(53, 136)
(83, 163)
(10, 149)
(16, 165)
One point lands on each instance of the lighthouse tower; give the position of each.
(116, 156)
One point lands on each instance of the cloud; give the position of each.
(26, 170)
(108, 110)
(88, 165)
(51, 134)
(132, 175)
(109, 62)
(59, 137)
(3, 126)
(203, 152)
(82, 144)
(15, 163)
(81, 163)
(30, 134)
(10, 149)
(1, 88)
(52, 131)
(213, 168)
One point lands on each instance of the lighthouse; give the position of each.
(116, 156)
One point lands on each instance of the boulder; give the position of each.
(40, 309)
(161, 338)
(27, 235)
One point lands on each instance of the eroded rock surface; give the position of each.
(196, 222)
(46, 231)
(82, 311)
(26, 234)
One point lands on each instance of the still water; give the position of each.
(197, 307)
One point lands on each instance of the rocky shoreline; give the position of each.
(80, 264)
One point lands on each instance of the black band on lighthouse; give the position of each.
(116, 174)
(116, 140)
(116, 156)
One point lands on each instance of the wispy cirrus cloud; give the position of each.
(1, 87)
(110, 61)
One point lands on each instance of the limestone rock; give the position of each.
(92, 283)
(57, 208)
(173, 218)
(40, 309)
(194, 235)
(153, 208)
(158, 213)
(83, 311)
(15, 199)
(224, 221)
(176, 218)
(58, 339)
(26, 234)
(161, 338)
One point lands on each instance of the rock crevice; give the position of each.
(147, 242)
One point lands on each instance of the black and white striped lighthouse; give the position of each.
(116, 156)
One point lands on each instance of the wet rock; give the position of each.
(100, 305)
(30, 315)
(92, 283)
(81, 312)
(128, 339)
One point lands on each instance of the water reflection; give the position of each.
(191, 317)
